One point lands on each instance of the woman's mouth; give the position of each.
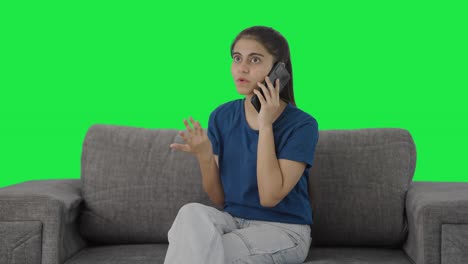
(242, 80)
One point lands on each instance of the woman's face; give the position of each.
(250, 61)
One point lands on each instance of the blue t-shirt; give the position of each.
(235, 142)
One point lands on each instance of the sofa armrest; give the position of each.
(437, 222)
(39, 218)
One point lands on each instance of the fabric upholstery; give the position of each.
(20, 242)
(124, 190)
(155, 253)
(454, 243)
(429, 205)
(121, 254)
(358, 187)
(134, 184)
(356, 255)
(366, 207)
(54, 203)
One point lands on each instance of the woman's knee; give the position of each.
(194, 211)
(190, 208)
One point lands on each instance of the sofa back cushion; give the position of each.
(358, 186)
(134, 184)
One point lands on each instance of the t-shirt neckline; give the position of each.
(244, 118)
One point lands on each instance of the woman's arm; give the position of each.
(275, 177)
(269, 176)
(210, 178)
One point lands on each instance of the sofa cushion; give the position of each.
(121, 254)
(358, 186)
(353, 255)
(134, 184)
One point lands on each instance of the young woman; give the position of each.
(255, 165)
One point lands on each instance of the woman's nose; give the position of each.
(244, 67)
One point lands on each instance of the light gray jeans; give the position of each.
(202, 234)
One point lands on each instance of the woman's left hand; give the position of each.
(270, 104)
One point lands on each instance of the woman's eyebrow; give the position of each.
(253, 53)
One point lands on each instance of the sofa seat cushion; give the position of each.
(155, 253)
(121, 254)
(356, 255)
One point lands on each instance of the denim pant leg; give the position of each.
(267, 242)
(196, 235)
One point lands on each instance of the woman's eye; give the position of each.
(252, 60)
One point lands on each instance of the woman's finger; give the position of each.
(187, 126)
(204, 132)
(266, 93)
(181, 133)
(200, 129)
(260, 97)
(183, 147)
(195, 127)
(271, 88)
(277, 89)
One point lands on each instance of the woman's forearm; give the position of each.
(210, 179)
(269, 176)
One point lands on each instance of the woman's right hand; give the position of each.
(197, 140)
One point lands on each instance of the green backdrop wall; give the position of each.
(67, 65)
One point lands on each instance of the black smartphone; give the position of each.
(278, 71)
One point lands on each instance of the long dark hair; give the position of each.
(277, 46)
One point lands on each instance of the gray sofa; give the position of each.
(366, 208)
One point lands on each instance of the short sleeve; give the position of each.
(213, 133)
(300, 146)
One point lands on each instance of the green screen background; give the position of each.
(374, 64)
